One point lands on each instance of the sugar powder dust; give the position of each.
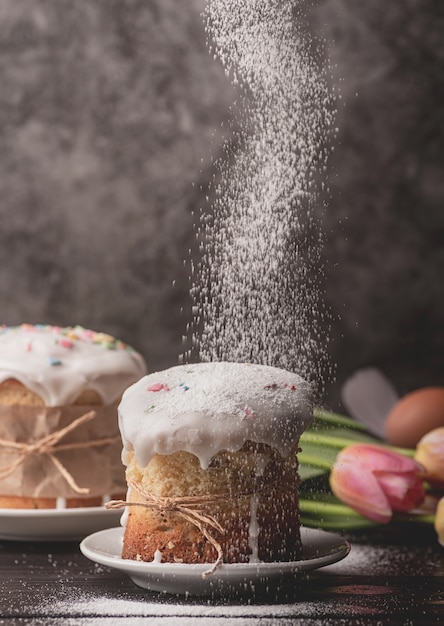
(256, 291)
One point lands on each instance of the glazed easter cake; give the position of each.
(59, 439)
(211, 456)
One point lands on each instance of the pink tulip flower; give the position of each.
(430, 454)
(376, 481)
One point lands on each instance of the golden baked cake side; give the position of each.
(258, 515)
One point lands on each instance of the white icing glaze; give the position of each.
(254, 530)
(59, 363)
(60, 503)
(157, 557)
(207, 407)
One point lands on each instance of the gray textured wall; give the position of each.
(110, 111)
(385, 224)
(106, 109)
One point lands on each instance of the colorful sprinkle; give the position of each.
(66, 343)
(284, 385)
(54, 361)
(72, 335)
(184, 387)
(158, 387)
(69, 335)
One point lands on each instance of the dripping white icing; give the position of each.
(254, 530)
(207, 407)
(59, 363)
(157, 557)
(60, 503)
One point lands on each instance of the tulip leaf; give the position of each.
(327, 418)
(317, 455)
(339, 426)
(307, 472)
(329, 513)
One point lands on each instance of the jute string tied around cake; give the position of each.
(49, 445)
(188, 507)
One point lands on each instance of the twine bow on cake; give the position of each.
(49, 445)
(188, 507)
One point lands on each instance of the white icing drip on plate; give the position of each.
(207, 407)
(59, 363)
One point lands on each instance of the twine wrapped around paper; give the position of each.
(188, 507)
(49, 445)
(45, 442)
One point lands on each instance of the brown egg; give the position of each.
(414, 415)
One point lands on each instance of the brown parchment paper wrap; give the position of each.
(96, 467)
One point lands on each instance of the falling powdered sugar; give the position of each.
(256, 291)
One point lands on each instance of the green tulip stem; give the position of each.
(315, 461)
(327, 508)
(335, 525)
(340, 516)
(325, 440)
(338, 420)
(415, 518)
(331, 441)
(332, 516)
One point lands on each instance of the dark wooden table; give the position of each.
(391, 576)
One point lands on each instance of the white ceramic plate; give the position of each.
(55, 524)
(319, 548)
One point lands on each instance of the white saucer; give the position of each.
(55, 524)
(319, 548)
